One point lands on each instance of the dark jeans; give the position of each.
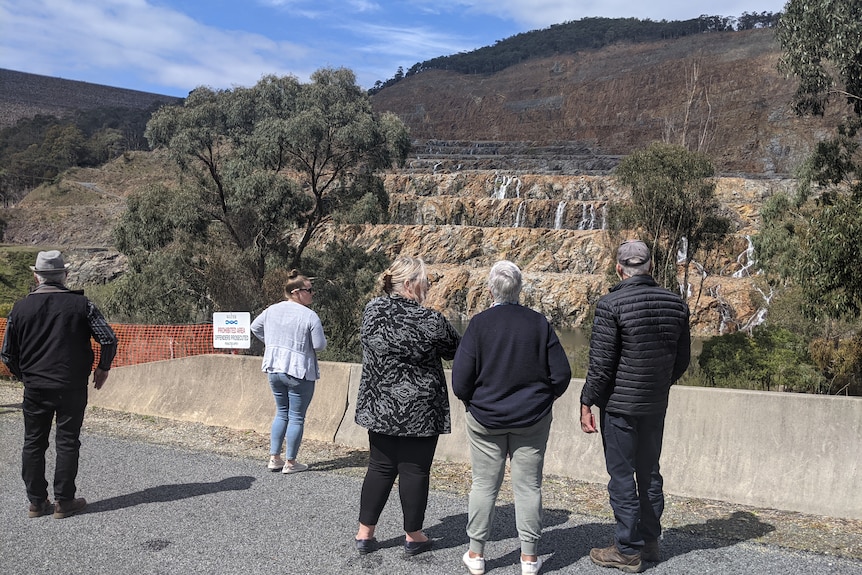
(409, 459)
(39, 407)
(632, 450)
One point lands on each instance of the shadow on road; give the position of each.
(569, 545)
(165, 493)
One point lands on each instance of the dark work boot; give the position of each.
(39, 509)
(63, 509)
(611, 557)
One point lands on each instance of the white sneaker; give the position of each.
(475, 565)
(531, 567)
(295, 468)
(276, 463)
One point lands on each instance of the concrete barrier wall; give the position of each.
(776, 450)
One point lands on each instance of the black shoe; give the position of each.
(651, 551)
(365, 546)
(417, 547)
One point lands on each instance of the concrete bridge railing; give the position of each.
(775, 450)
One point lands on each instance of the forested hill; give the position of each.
(718, 93)
(571, 37)
(24, 95)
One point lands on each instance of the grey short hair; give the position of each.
(504, 281)
(51, 277)
(638, 270)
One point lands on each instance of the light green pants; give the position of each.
(489, 449)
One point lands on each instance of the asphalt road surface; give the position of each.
(156, 510)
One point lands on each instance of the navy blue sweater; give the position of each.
(509, 367)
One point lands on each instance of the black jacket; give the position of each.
(47, 341)
(640, 346)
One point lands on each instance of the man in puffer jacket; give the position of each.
(640, 346)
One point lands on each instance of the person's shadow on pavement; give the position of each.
(561, 548)
(713, 533)
(165, 493)
(568, 546)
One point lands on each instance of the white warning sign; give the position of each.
(232, 329)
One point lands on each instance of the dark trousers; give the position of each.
(632, 450)
(407, 458)
(40, 406)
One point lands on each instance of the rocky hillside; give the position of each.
(720, 93)
(553, 226)
(516, 165)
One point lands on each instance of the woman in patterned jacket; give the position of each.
(402, 399)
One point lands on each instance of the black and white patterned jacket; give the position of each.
(403, 389)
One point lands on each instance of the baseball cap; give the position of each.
(633, 253)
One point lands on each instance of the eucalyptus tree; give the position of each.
(809, 240)
(673, 206)
(261, 170)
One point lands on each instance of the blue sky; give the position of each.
(173, 46)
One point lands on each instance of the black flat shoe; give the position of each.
(365, 546)
(417, 547)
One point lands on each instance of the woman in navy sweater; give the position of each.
(508, 370)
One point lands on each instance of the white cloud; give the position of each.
(364, 6)
(162, 45)
(412, 42)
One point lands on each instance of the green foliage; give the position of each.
(840, 360)
(346, 279)
(771, 359)
(822, 43)
(38, 149)
(262, 169)
(164, 288)
(16, 279)
(809, 242)
(810, 239)
(829, 274)
(673, 203)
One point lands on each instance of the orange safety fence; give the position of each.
(146, 343)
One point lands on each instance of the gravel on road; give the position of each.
(718, 520)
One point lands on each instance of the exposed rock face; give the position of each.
(514, 165)
(461, 223)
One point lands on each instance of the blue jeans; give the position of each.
(292, 398)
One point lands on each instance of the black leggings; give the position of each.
(409, 459)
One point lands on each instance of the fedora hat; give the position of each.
(50, 261)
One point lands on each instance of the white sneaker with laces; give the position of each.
(295, 468)
(276, 463)
(531, 567)
(475, 565)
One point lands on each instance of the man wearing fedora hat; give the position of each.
(47, 346)
(640, 346)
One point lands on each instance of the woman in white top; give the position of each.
(292, 334)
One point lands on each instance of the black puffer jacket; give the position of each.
(640, 346)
